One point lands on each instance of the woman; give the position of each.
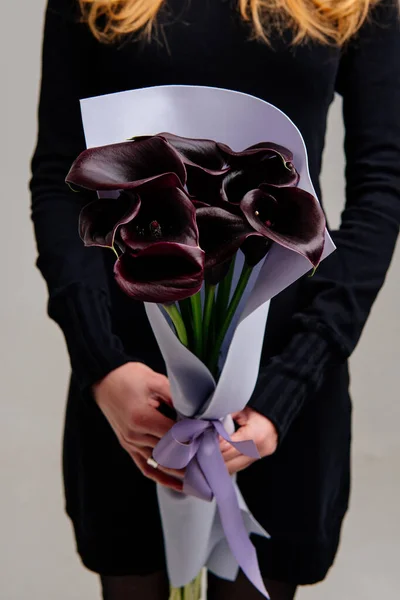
(294, 54)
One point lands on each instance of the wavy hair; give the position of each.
(326, 21)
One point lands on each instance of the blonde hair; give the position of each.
(326, 21)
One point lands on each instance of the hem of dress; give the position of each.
(300, 564)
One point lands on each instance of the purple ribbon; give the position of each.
(194, 444)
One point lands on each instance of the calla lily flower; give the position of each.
(167, 215)
(151, 225)
(288, 216)
(127, 165)
(163, 272)
(262, 164)
(222, 233)
(202, 154)
(154, 211)
(99, 221)
(205, 162)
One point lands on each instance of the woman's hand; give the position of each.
(252, 426)
(129, 398)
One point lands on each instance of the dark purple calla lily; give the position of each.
(154, 210)
(99, 220)
(205, 162)
(287, 216)
(163, 272)
(238, 159)
(222, 233)
(203, 154)
(154, 227)
(127, 166)
(264, 163)
(166, 215)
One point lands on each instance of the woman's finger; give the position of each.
(228, 451)
(154, 423)
(144, 440)
(146, 453)
(156, 474)
(160, 388)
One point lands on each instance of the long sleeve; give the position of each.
(76, 278)
(340, 295)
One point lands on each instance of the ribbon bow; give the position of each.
(194, 444)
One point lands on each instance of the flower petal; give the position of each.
(221, 234)
(263, 163)
(125, 166)
(290, 217)
(254, 248)
(205, 164)
(166, 214)
(267, 147)
(263, 170)
(164, 272)
(201, 153)
(99, 220)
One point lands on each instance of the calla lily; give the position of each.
(165, 215)
(153, 211)
(154, 226)
(222, 233)
(100, 220)
(287, 216)
(262, 164)
(203, 154)
(127, 165)
(205, 162)
(163, 272)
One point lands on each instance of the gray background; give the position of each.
(37, 555)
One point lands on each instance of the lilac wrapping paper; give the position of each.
(193, 532)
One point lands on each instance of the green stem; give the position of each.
(177, 320)
(198, 586)
(176, 594)
(224, 292)
(186, 313)
(191, 591)
(197, 324)
(234, 303)
(208, 313)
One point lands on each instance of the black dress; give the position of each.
(301, 493)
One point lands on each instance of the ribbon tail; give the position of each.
(195, 484)
(246, 447)
(215, 471)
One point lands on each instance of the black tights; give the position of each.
(155, 587)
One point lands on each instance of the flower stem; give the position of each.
(176, 594)
(197, 324)
(177, 320)
(191, 591)
(198, 586)
(234, 303)
(224, 292)
(208, 313)
(186, 314)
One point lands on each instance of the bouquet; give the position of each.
(193, 224)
